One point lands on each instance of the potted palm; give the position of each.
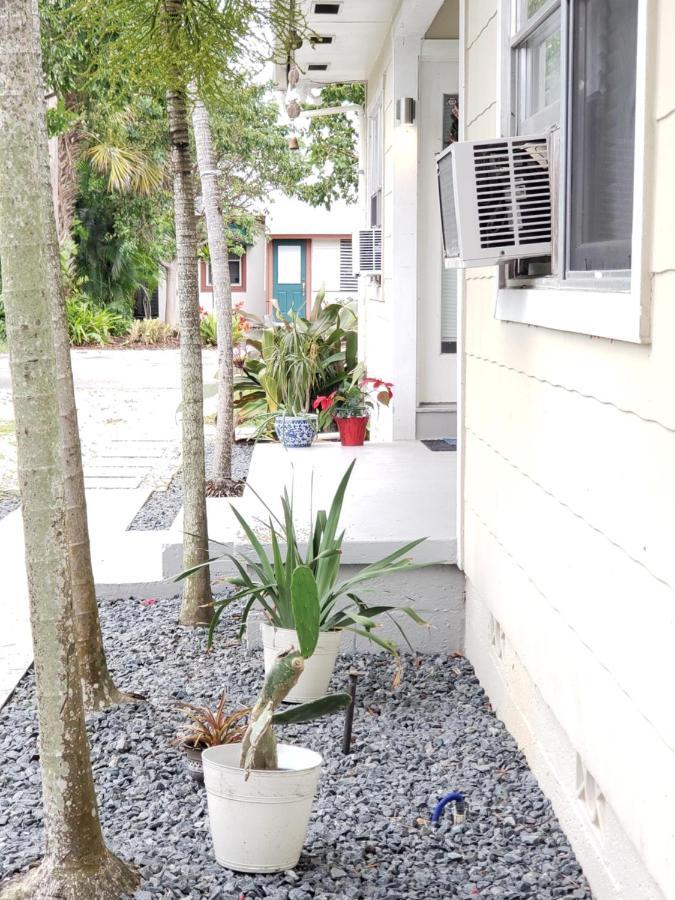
(350, 407)
(265, 578)
(206, 728)
(260, 793)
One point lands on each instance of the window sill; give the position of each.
(608, 314)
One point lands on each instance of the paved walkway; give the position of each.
(128, 403)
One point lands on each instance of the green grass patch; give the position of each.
(7, 428)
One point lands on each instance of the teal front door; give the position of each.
(290, 267)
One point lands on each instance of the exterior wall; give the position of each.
(252, 292)
(568, 509)
(436, 371)
(400, 316)
(326, 268)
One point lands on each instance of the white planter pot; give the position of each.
(260, 825)
(313, 683)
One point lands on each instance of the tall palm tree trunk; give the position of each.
(197, 605)
(98, 688)
(221, 472)
(77, 864)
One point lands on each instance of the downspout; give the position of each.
(461, 317)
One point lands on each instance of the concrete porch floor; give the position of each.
(398, 492)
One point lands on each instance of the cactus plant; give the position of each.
(259, 746)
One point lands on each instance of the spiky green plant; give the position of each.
(268, 578)
(259, 747)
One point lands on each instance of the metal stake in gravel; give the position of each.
(354, 675)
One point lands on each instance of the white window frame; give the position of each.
(570, 304)
(375, 172)
(232, 257)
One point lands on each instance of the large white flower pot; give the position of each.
(313, 683)
(260, 825)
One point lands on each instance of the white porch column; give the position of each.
(402, 220)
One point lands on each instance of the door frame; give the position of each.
(300, 238)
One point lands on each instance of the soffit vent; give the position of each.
(326, 9)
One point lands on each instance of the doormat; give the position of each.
(441, 444)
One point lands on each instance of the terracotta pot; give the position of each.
(352, 430)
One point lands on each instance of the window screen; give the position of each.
(602, 135)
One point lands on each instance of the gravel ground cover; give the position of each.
(9, 501)
(162, 507)
(369, 835)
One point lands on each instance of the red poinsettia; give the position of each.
(324, 402)
(383, 389)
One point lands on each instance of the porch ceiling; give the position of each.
(358, 32)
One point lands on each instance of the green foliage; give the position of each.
(154, 46)
(268, 580)
(331, 149)
(208, 328)
(150, 332)
(120, 240)
(305, 605)
(297, 360)
(88, 323)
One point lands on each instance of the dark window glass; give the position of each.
(235, 270)
(602, 134)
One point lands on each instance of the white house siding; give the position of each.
(568, 531)
(400, 316)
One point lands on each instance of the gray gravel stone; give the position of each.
(9, 501)
(161, 508)
(364, 840)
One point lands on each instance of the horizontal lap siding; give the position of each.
(569, 501)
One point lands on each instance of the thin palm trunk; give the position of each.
(197, 605)
(77, 864)
(98, 688)
(221, 472)
(67, 154)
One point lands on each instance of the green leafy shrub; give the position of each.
(150, 332)
(296, 361)
(123, 310)
(88, 323)
(207, 328)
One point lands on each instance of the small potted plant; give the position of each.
(267, 579)
(209, 728)
(351, 405)
(260, 794)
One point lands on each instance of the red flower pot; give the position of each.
(352, 430)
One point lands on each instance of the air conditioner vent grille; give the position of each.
(495, 200)
(369, 244)
(513, 192)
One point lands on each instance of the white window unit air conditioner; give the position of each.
(368, 251)
(495, 200)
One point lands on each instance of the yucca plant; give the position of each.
(267, 578)
(259, 746)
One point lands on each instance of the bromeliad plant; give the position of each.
(212, 727)
(267, 579)
(259, 746)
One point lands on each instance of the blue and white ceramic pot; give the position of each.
(296, 431)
